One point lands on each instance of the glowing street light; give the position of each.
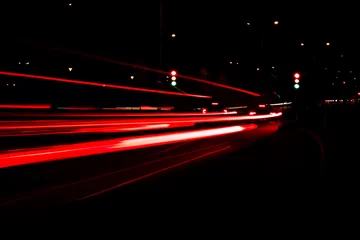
(327, 44)
(302, 44)
(132, 77)
(276, 22)
(70, 69)
(173, 35)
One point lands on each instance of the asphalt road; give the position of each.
(53, 184)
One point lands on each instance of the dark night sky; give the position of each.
(209, 34)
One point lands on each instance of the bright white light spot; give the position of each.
(132, 77)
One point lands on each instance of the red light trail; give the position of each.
(13, 74)
(118, 122)
(61, 152)
(85, 114)
(23, 106)
(156, 71)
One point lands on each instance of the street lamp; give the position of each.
(327, 44)
(276, 22)
(302, 44)
(132, 77)
(173, 35)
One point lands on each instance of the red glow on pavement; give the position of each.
(156, 71)
(12, 74)
(61, 152)
(24, 106)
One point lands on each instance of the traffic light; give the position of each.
(173, 78)
(297, 80)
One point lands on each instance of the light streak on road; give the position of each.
(63, 80)
(25, 106)
(85, 114)
(106, 123)
(62, 152)
(104, 59)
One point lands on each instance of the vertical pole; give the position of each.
(161, 35)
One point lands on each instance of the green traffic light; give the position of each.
(173, 83)
(296, 86)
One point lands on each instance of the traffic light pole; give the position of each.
(161, 35)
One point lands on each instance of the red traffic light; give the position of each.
(173, 73)
(297, 75)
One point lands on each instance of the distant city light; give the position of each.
(302, 44)
(344, 82)
(230, 62)
(350, 71)
(354, 78)
(237, 63)
(70, 4)
(327, 44)
(19, 62)
(248, 23)
(342, 55)
(27, 63)
(257, 69)
(333, 84)
(14, 85)
(132, 77)
(273, 67)
(70, 69)
(276, 22)
(173, 35)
